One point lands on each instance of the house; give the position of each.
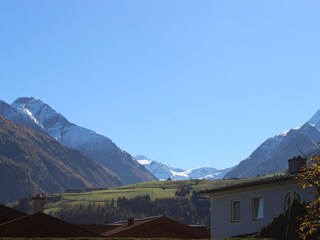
(157, 227)
(101, 227)
(242, 209)
(8, 214)
(40, 225)
(14, 223)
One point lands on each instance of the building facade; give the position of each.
(243, 209)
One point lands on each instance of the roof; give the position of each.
(136, 220)
(8, 214)
(101, 227)
(158, 227)
(255, 182)
(42, 225)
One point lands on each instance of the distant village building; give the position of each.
(242, 209)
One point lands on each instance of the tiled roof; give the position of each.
(42, 225)
(8, 214)
(101, 227)
(158, 227)
(146, 219)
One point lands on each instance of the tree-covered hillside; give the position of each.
(32, 162)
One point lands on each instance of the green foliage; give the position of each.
(310, 178)
(156, 190)
(296, 212)
(286, 225)
(183, 190)
(190, 211)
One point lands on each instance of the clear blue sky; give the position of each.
(189, 83)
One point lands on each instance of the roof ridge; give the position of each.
(252, 183)
(142, 219)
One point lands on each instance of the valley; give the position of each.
(160, 120)
(155, 190)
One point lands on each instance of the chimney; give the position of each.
(295, 164)
(38, 203)
(130, 221)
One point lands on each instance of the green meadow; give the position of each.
(156, 190)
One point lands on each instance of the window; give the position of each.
(235, 211)
(257, 208)
(289, 197)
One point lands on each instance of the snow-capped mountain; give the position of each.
(32, 162)
(272, 155)
(315, 120)
(15, 116)
(96, 146)
(165, 171)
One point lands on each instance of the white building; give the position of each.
(245, 208)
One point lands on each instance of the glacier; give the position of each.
(165, 171)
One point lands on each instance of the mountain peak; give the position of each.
(29, 106)
(40, 112)
(315, 120)
(93, 145)
(272, 155)
(23, 100)
(24, 104)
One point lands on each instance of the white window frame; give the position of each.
(257, 214)
(232, 210)
(289, 197)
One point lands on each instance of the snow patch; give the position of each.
(26, 110)
(145, 162)
(283, 134)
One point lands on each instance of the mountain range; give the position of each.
(40, 117)
(272, 155)
(165, 171)
(40, 150)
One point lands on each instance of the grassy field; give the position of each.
(156, 190)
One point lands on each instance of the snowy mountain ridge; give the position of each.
(39, 115)
(272, 155)
(165, 171)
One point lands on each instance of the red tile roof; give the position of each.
(158, 227)
(42, 225)
(101, 227)
(8, 214)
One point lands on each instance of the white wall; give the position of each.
(273, 195)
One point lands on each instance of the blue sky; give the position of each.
(189, 83)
